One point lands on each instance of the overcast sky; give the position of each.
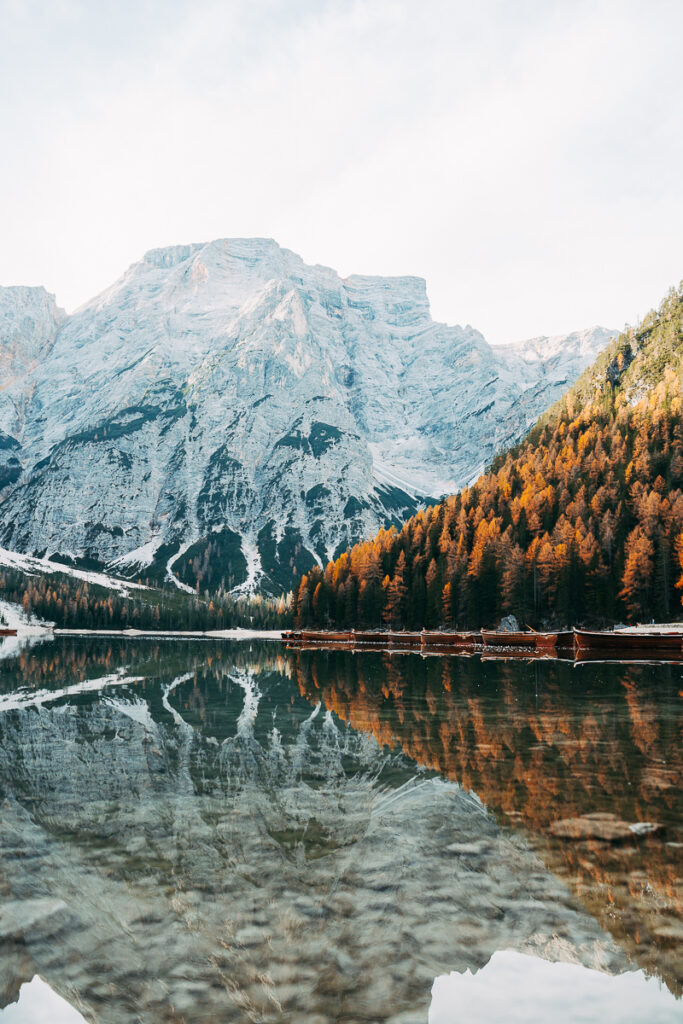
(525, 157)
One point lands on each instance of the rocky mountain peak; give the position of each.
(227, 413)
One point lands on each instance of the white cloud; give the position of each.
(523, 158)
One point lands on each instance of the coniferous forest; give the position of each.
(74, 604)
(582, 522)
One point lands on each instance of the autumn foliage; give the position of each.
(580, 523)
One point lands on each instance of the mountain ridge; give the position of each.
(228, 396)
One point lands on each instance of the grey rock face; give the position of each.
(228, 404)
(29, 320)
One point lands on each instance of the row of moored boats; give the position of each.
(569, 640)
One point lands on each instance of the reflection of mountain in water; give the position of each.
(72, 659)
(207, 845)
(539, 743)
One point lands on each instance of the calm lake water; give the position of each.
(213, 832)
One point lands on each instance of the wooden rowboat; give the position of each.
(563, 638)
(6, 631)
(627, 641)
(370, 636)
(318, 636)
(499, 638)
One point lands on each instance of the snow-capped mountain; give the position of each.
(227, 408)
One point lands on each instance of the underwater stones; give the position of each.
(21, 920)
(602, 826)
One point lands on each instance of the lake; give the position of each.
(202, 831)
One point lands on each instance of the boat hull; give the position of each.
(436, 639)
(525, 654)
(494, 638)
(320, 637)
(563, 638)
(370, 636)
(594, 640)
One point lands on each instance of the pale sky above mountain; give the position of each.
(524, 158)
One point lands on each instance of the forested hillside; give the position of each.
(581, 522)
(76, 604)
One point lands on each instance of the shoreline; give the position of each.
(28, 631)
(215, 634)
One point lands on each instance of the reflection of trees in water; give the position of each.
(537, 744)
(291, 862)
(69, 660)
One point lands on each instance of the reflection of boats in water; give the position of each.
(449, 652)
(631, 656)
(528, 654)
(404, 639)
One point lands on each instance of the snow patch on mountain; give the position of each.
(254, 567)
(32, 566)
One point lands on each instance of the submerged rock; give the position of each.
(602, 826)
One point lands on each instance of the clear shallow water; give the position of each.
(230, 832)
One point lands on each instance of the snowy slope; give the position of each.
(227, 406)
(32, 566)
